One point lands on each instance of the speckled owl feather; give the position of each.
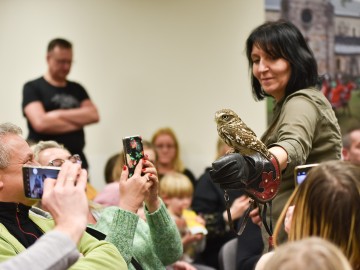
(238, 135)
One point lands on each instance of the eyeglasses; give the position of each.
(59, 161)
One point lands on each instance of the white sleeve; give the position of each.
(54, 250)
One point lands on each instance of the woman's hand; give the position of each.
(133, 190)
(151, 200)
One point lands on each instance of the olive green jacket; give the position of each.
(305, 126)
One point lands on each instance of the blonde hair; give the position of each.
(327, 205)
(177, 163)
(42, 145)
(176, 184)
(311, 253)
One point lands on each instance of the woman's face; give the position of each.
(273, 74)
(165, 149)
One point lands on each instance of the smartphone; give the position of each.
(33, 178)
(301, 171)
(133, 151)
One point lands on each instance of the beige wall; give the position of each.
(145, 63)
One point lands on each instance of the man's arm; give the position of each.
(61, 121)
(85, 115)
(47, 122)
(63, 254)
(68, 206)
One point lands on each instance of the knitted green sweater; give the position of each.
(154, 244)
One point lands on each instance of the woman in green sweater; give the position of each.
(154, 243)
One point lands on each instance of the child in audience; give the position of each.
(176, 190)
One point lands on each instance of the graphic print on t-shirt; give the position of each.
(65, 101)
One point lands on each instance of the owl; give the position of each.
(236, 134)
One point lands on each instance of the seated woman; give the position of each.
(153, 243)
(168, 157)
(326, 205)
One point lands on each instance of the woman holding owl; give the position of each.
(304, 128)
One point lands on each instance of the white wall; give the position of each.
(145, 63)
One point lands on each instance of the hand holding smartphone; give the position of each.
(133, 151)
(33, 178)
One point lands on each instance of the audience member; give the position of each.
(48, 158)
(176, 190)
(21, 227)
(50, 153)
(130, 239)
(351, 145)
(55, 108)
(210, 204)
(167, 150)
(153, 243)
(67, 204)
(311, 253)
(326, 205)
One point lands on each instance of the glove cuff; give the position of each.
(264, 183)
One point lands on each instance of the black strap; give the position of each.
(268, 228)
(136, 265)
(253, 204)
(246, 214)
(98, 235)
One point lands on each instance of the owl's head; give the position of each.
(225, 116)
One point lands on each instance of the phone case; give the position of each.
(133, 151)
(33, 178)
(301, 171)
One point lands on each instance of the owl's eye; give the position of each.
(224, 117)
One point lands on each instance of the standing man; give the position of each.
(351, 145)
(55, 108)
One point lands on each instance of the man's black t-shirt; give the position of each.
(54, 98)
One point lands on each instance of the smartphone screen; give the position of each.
(133, 151)
(301, 171)
(34, 176)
